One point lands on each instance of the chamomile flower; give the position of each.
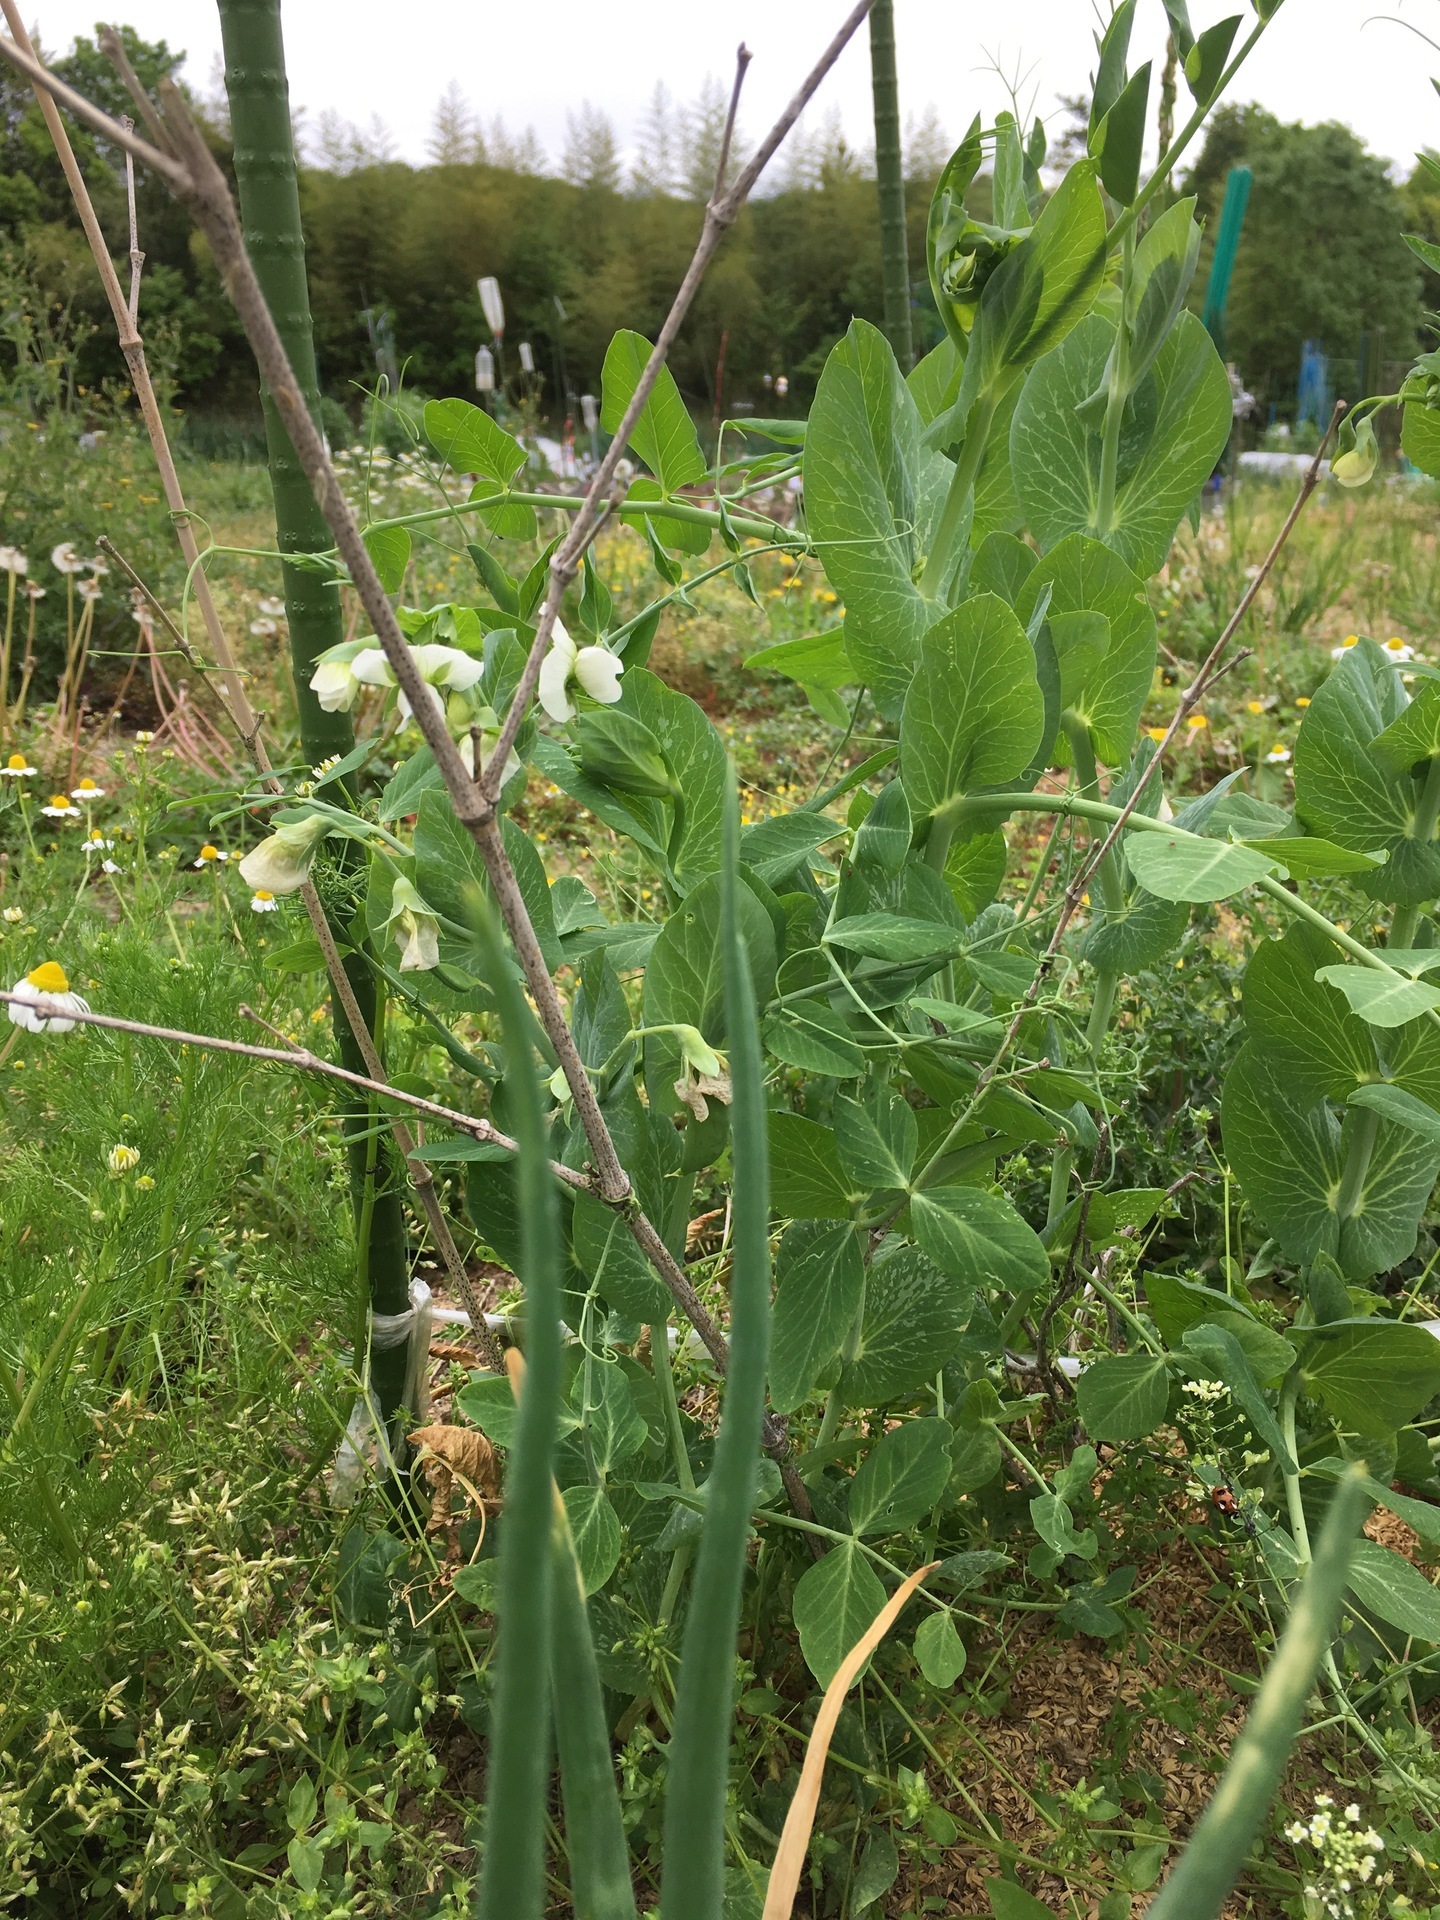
(1350, 640)
(17, 767)
(122, 1160)
(61, 807)
(595, 670)
(1278, 756)
(45, 983)
(13, 916)
(209, 856)
(87, 792)
(143, 739)
(96, 843)
(1398, 649)
(263, 902)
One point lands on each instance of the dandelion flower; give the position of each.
(122, 1159)
(12, 560)
(1157, 733)
(89, 589)
(595, 670)
(64, 558)
(1277, 756)
(87, 791)
(1254, 706)
(263, 902)
(46, 982)
(270, 607)
(61, 807)
(1197, 723)
(34, 590)
(17, 767)
(1303, 701)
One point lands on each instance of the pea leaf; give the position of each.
(873, 498)
(1176, 426)
(834, 1602)
(664, 435)
(901, 1478)
(1180, 868)
(468, 440)
(913, 1321)
(1381, 999)
(595, 1530)
(389, 551)
(974, 715)
(1124, 1396)
(1307, 1033)
(1083, 575)
(979, 1239)
(877, 1142)
(819, 1282)
(807, 1181)
(1399, 1593)
(1373, 1375)
(1394, 1103)
(939, 1650)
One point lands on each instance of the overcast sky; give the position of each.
(1319, 60)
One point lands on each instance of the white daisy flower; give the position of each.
(122, 1159)
(61, 807)
(1277, 756)
(595, 670)
(87, 791)
(47, 983)
(209, 856)
(263, 902)
(1398, 649)
(282, 863)
(17, 767)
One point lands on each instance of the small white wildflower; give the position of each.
(47, 983)
(122, 1159)
(17, 767)
(263, 902)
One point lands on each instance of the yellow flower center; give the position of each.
(61, 800)
(1395, 646)
(1196, 722)
(261, 894)
(86, 786)
(48, 977)
(207, 852)
(16, 760)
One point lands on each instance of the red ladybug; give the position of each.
(1223, 1499)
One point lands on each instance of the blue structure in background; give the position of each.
(1314, 401)
(1227, 245)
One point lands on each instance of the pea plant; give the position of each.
(877, 1028)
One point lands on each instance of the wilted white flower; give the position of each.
(46, 982)
(14, 915)
(89, 589)
(122, 1159)
(263, 629)
(595, 670)
(17, 767)
(282, 863)
(703, 1073)
(96, 843)
(64, 558)
(12, 560)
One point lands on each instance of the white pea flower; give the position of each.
(48, 983)
(282, 863)
(333, 682)
(414, 929)
(703, 1073)
(595, 670)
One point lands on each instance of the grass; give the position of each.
(228, 1699)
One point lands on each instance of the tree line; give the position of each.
(395, 249)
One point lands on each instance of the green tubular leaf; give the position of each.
(664, 435)
(693, 1883)
(512, 1872)
(1216, 1852)
(598, 1851)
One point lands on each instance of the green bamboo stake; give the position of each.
(259, 98)
(1217, 1849)
(693, 1884)
(890, 182)
(512, 1880)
